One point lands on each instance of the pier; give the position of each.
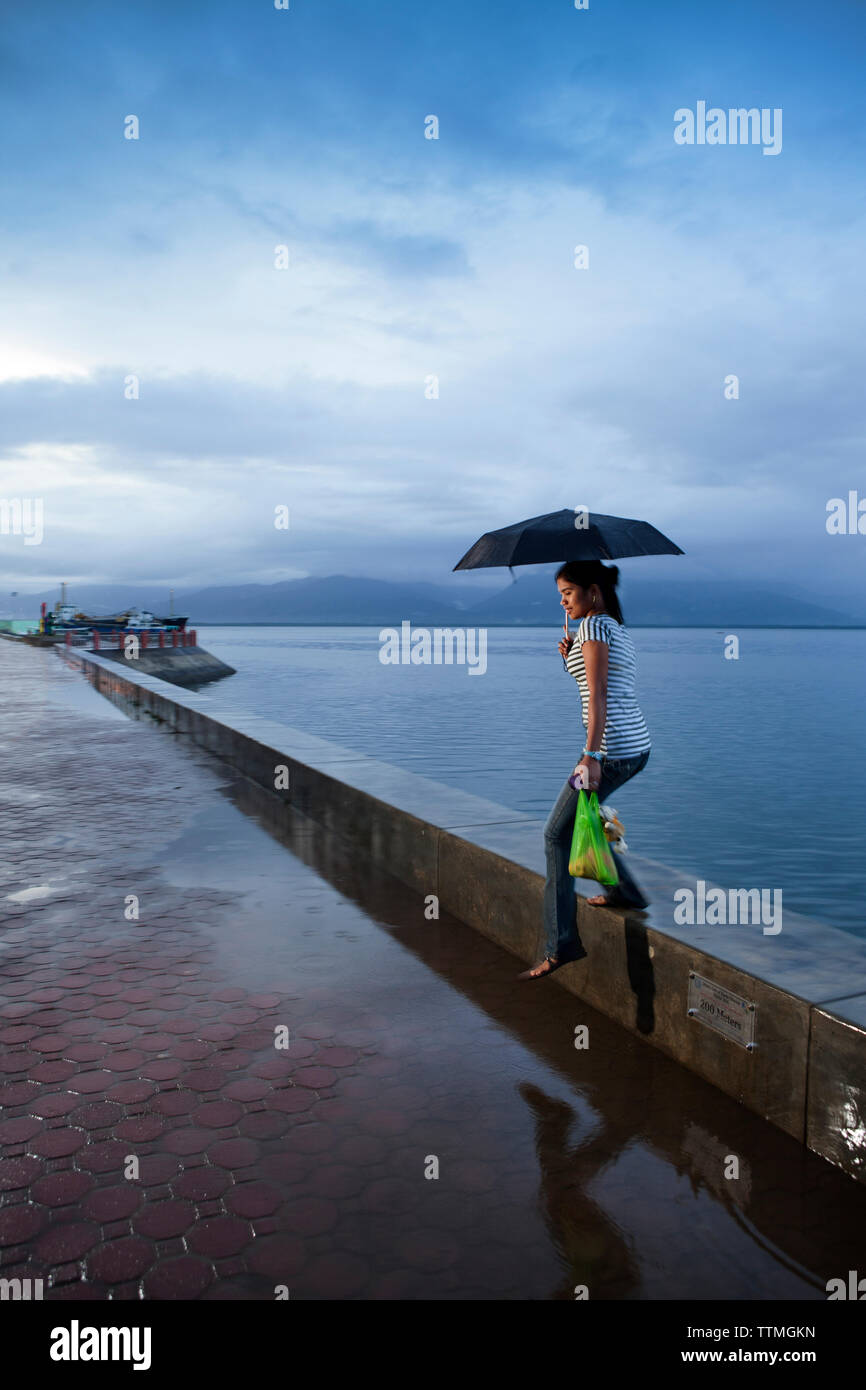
(159, 926)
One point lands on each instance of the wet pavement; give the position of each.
(431, 1131)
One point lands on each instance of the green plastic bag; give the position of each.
(590, 852)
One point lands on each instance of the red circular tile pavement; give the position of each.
(187, 1140)
(228, 996)
(192, 1051)
(264, 1001)
(163, 1220)
(11, 1062)
(81, 1028)
(337, 1180)
(20, 1223)
(18, 1172)
(52, 1073)
(399, 1285)
(112, 1010)
(58, 1143)
(17, 1032)
(52, 1043)
(86, 1051)
(385, 1121)
(156, 1042)
(337, 1056)
(106, 1156)
(127, 1061)
(186, 1277)
(312, 1138)
(205, 1078)
(20, 1092)
(203, 1184)
(140, 1129)
(393, 1195)
(287, 1168)
(242, 1017)
(217, 1032)
(316, 1030)
(79, 1003)
(89, 1083)
(178, 1026)
(59, 1189)
(248, 1089)
(97, 1115)
(176, 1102)
(316, 1078)
(256, 1039)
(253, 1200)
(362, 1149)
(118, 1034)
(233, 1153)
(336, 1275)
(146, 1018)
(279, 1257)
(204, 1008)
(335, 1108)
(263, 1124)
(121, 1260)
(292, 1101)
(162, 1069)
(23, 1009)
(218, 1236)
(112, 1203)
(382, 1066)
(309, 1216)
(48, 1018)
(132, 1092)
(428, 1250)
(66, 1241)
(218, 1114)
(273, 1069)
(157, 1168)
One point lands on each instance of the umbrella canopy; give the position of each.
(566, 535)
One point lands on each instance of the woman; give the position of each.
(601, 658)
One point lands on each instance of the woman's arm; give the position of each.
(595, 656)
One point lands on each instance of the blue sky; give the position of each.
(410, 258)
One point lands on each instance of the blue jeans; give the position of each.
(560, 906)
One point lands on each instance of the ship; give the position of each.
(65, 617)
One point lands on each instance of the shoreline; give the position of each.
(484, 864)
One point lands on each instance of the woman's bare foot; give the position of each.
(598, 901)
(548, 965)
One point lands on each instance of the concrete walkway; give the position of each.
(154, 1142)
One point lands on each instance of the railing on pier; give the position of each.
(96, 641)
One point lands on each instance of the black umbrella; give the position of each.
(566, 535)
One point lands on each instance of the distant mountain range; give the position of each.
(530, 601)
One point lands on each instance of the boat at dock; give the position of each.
(65, 618)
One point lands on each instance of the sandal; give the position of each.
(536, 973)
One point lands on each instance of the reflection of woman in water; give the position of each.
(592, 1248)
(601, 657)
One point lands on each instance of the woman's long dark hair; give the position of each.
(585, 573)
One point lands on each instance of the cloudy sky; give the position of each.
(411, 258)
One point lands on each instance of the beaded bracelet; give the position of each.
(586, 754)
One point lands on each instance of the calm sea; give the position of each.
(754, 781)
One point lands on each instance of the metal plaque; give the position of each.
(718, 1008)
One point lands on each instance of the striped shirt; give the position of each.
(625, 730)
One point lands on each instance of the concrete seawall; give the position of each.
(804, 989)
(180, 666)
